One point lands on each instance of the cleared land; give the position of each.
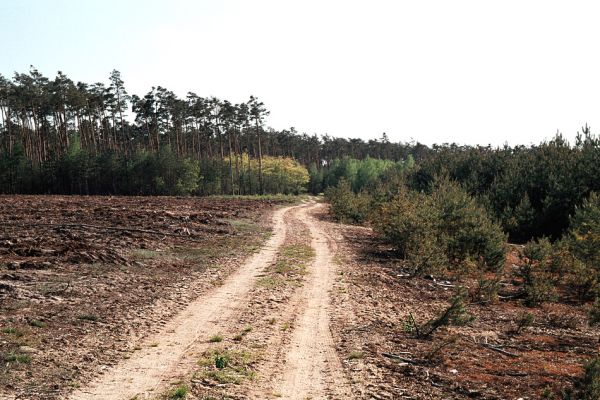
(167, 298)
(84, 279)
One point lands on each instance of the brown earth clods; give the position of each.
(82, 279)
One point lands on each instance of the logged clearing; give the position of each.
(220, 298)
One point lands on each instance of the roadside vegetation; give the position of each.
(456, 215)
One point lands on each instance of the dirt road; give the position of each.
(312, 368)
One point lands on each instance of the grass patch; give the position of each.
(9, 330)
(207, 253)
(37, 324)
(88, 317)
(270, 282)
(245, 331)
(179, 392)
(216, 339)
(145, 254)
(227, 366)
(278, 198)
(17, 358)
(356, 355)
(293, 259)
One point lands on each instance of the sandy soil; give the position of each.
(163, 355)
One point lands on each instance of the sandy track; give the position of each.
(312, 369)
(163, 354)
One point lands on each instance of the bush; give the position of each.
(584, 232)
(594, 314)
(446, 228)
(577, 254)
(538, 281)
(409, 222)
(455, 314)
(588, 388)
(346, 206)
(467, 228)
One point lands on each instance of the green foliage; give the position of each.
(466, 228)
(180, 392)
(410, 222)
(524, 320)
(145, 173)
(594, 313)
(347, 206)
(455, 314)
(221, 361)
(444, 229)
(588, 388)
(359, 174)
(538, 281)
(531, 190)
(584, 232)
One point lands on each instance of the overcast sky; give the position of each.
(433, 71)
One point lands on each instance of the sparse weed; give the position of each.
(12, 331)
(37, 324)
(594, 313)
(227, 366)
(216, 338)
(17, 358)
(88, 317)
(524, 320)
(179, 392)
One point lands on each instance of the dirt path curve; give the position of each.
(161, 355)
(313, 369)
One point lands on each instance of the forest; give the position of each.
(62, 137)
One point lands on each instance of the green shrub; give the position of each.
(588, 388)
(180, 392)
(584, 231)
(408, 221)
(346, 206)
(576, 257)
(444, 229)
(538, 250)
(594, 313)
(455, 314)
(467, 228)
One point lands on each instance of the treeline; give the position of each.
(530, 191)
(453, 212)
(43, 119)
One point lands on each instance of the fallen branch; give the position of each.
(499, 350)
(399, 358)
(110, 228)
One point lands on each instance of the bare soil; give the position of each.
(489, 358)
(83, 280)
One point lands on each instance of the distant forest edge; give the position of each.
(57, 136)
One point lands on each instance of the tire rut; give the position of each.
(312, 367)
(167, 354)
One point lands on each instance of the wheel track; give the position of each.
(312, 368)
(169, 353)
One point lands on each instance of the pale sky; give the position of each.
(474, 72)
